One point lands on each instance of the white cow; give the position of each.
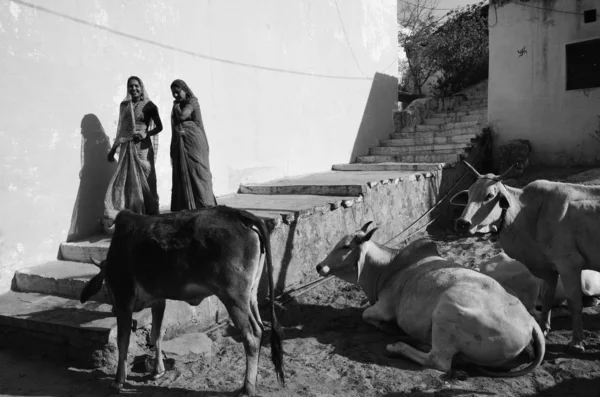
(454, 309)
(550, 227)
(517, 279)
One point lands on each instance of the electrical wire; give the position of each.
(348, 41)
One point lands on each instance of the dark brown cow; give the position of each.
(189, 256)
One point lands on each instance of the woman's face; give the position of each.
(135, 89)
(178, 94)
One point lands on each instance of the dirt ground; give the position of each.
(329, 351)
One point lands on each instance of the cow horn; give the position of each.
(366, 226)
(505, 173)
(472, 169)
(96, 262)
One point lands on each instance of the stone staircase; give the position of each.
(431, 131)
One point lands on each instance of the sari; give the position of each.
(133, 186)
(192, 179)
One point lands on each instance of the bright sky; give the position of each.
(451, 4)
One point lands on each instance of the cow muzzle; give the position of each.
(462, 225)
(323, 270)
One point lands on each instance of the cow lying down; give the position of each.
(188, 256)
(458, 311)
(517, 279)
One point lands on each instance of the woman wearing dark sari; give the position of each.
(133, 186)
(192, 179)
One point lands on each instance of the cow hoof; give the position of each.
(575, 348)
(244, 393)
(117, 387)
(158, 375)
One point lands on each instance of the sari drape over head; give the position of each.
(133, 186)
(192, 179)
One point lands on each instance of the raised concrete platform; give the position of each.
(85, 332)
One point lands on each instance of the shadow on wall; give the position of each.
(94, 176)
(377, 120)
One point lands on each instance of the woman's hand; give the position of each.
(177, 112)
(137, 137)
(111, 156)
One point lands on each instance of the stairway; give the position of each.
(430, 133)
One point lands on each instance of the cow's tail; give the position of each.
(93, 286)
(539, 348)
(276, 330)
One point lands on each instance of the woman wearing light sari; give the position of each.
(192, 179)
(133, 186)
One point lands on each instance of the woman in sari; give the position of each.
(192, 179)
(133, 186)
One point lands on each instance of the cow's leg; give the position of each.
(156, 337)
(571, 278)
(124, 316)
(241, 314)
(550, 278)
(381, 317)
(439, 357)
(445, 334)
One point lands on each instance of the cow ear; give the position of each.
(504, 204)
(460, 198)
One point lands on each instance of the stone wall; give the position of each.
(299, 245)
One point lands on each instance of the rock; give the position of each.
(514, 152)
(196, 343)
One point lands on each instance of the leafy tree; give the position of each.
(459, 50)
(417, 23)
(448, 55)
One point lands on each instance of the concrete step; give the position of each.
(331, 183)
(441, 127)
(410, 158)
(59, 278)
(477, 111)
(477, 102)
(478, 95)
(462, 107)
(418, 149)
(84, 332)
(456, 118)
(84, 250)
(457, 132)
(389, 167)
(429, 139)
